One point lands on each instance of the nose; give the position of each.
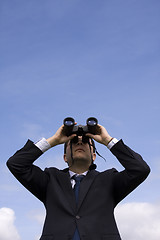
(79, 140)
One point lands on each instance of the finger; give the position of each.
(72, 136)
(90, 135)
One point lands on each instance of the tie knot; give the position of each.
(78, 178)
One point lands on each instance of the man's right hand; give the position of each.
(59, 137)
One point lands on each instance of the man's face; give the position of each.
(80, 151)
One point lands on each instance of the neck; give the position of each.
(79, 167)
(78, 170)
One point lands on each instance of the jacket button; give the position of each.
(78, 217)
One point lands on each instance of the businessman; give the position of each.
(79, 200)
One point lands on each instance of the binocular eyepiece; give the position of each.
(70, 127)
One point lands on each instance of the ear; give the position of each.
(94, 156)
(65, 158)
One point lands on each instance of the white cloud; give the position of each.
(8, 230)
(138, 221)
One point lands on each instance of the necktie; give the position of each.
(78, 180)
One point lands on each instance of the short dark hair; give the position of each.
(92, 144)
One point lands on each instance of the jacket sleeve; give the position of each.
(29, 175)
(135, 171)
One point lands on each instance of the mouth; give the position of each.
(79, 150)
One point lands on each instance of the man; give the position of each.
(85, 212)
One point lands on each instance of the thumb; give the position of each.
(90, 135)
(72, 136)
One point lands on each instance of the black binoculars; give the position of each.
(70, 127)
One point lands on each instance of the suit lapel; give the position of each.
(85, 185)
(65, 183)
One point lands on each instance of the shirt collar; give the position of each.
(73, 173)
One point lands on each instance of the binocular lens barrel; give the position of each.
(92, 121)
(69, 122)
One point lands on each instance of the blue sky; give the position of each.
(79, 58)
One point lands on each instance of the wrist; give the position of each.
(52, 141)
(112, 143)
(43, 145)
(107, 140)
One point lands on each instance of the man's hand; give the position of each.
(103, 137)
(59, 137)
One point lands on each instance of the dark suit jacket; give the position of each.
(99, 193)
